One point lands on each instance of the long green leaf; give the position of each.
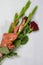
(15, 19)
(11, 27)
(31, 15)
(22, 12)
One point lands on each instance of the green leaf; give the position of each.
(24, 40)
(15, 19)
(30, 30)
(31, 15)
(12, 54)
(15, 23)
(22, 12)
(27, 30)
(21, 36)
(17, 43)
(4, 50)
(10, 29)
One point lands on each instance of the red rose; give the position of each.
(34, 26)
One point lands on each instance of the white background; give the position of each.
(32, 52)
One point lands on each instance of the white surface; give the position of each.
(32, 52)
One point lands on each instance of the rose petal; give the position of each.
(34, 26)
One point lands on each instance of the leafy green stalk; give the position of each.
(5, 50)
(22, 12)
